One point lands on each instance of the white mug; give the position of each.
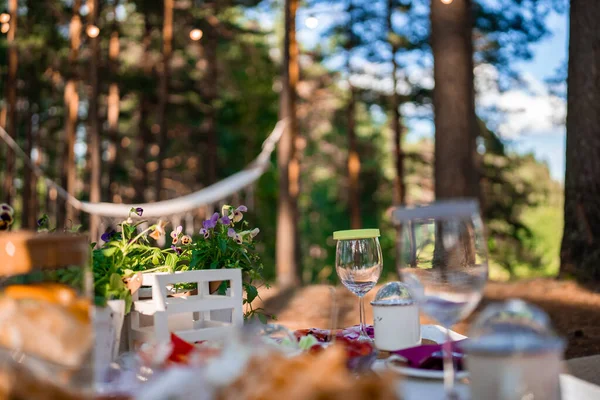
(396, 326)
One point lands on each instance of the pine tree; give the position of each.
(580, 253)
(93, 132)
(288, 271)
(456, 127)
(11, 96)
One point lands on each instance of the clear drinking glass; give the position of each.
(442, 257)
(358, 263)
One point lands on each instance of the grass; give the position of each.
(546, 224)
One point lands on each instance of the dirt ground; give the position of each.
(574, 310)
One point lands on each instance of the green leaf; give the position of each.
(251, 292)
(222, 245)
(109, 252)
(156, 257)
(214, 264)
(171, 260)
(222, 289)
(196, 259)
(262, 318)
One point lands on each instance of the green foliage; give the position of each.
(225, 242)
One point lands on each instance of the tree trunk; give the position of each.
(456, 127)
(94, 125)
(163, 95)
(71, 100)
(353, 162)
(113, 110)
(141, 170)
(110, 185)
(580, 252)
(11, 97)
(399, 187)
(29, 179)
(211, 93)
(288, 271)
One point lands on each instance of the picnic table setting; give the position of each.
(179, 332)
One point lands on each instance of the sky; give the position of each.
(549, 143)
(533, 118)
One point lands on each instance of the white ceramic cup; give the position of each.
(396, 326)
(516, 376)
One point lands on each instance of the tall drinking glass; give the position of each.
(358, 263)
(442, 257)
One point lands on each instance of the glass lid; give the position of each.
(356, 234)
(512, 327)
(393, 294)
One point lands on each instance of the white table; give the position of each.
(572, 388)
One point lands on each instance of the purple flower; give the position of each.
(212, 222)
(107, 236)
(238, 239)
(225, 220)
(176, 249)
(205, 232)
(175, 234)
(139, 211)
(235, 236)
(237, 213)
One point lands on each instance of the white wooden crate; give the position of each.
(189, 317)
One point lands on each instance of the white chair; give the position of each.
(189, 317)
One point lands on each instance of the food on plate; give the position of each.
(309, 376)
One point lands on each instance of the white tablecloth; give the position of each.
(423, 389)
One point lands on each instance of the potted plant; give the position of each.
(225, 241)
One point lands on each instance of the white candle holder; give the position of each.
(189, 317)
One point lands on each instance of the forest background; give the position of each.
(154, 100)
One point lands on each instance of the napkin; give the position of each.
(428, 356)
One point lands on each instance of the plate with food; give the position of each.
(426, 360)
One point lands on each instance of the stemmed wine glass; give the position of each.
(358, 263)
(442, 257)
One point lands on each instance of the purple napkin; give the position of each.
(429, 356)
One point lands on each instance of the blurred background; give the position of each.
(129, 101)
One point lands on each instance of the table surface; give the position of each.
(572, 388)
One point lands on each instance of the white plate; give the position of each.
(436, 334)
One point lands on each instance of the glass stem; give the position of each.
(448, 368)
(363, 330)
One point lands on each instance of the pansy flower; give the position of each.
(237, 215)
(176, 249)
(235, 236)
(137, 211)
(226, 210)
(185, 240)
(159, 230)
(6, 208)
(175, 234)
(225, 220)
(43, 221)
(108, 235)
(205, 232)
(212, 222)
(6, 220)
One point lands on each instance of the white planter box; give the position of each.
(108, 324)
(193, 318)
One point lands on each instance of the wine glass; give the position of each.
(358, 263)
(442, 257)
